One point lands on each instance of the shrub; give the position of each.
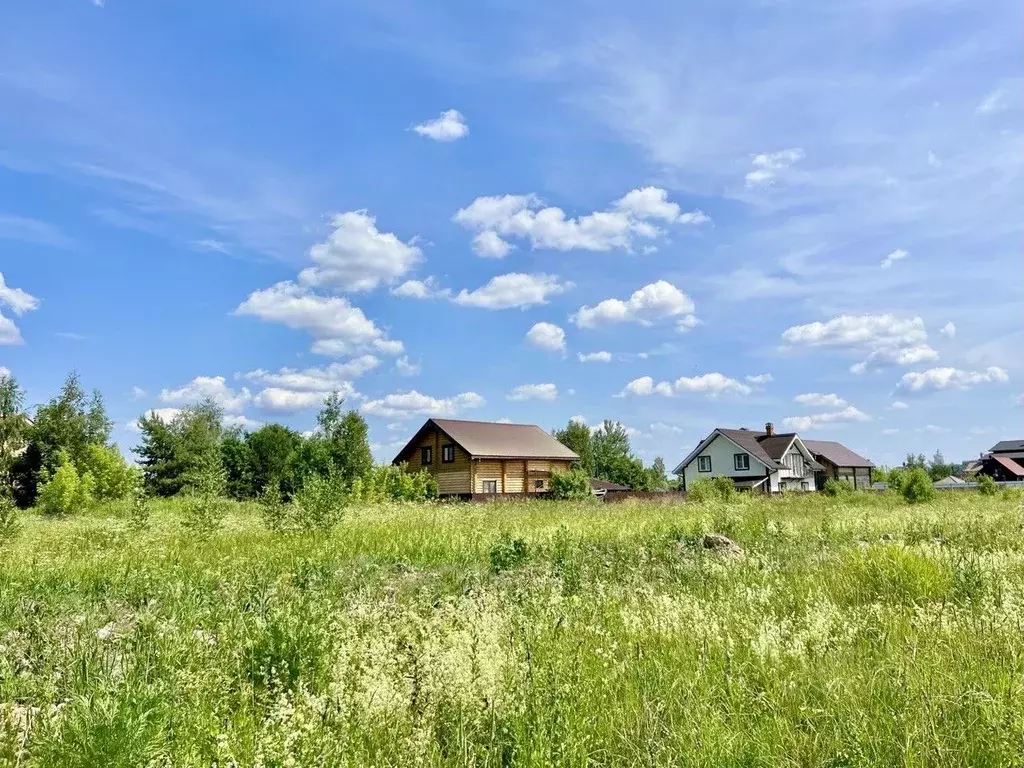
(115, 478)
(711, 489)
(508, 553)
(835, 487)
(987, 486)
(9, 525)
(917, 486)
(205, 506)
(139, 510)
(319, 503)
(66, 491)
(574, 484)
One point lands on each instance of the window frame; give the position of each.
(448, 449)
(736, 462)
(538, 484)
(492, 483)
(426, 455)
(700, 464)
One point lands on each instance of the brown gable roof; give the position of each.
(748, 440)
(491, 440)
(1010, 464)
(776, 444)
(836, 453)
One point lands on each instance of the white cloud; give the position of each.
(138, 393)
(885, 338)
(533, 392)
(238, 420)
(282, 400)
(814, 421)
(357, 256)
(934, 429)
(547, 336)
(496, 218)
(406, 368)
(336, 376)
(666, 429)
(710, 384)
(991, 103)
(595, 357)
(449, 126)
(658, 301)
(818, 400)
(514, 290)
(404, 405)
(767, 166)
(212, 387)
(935, 379)
(890, 431)
(949, 329)
(490, 245)
(893, 257)
(898, 405)
(933, 160)
(209, 245)
(4, 372)
(19, 302)
(339, 328)
(760, 379)
(420, 289)
(390, 347)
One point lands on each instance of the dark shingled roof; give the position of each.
(597, 484)
(776, 445)
(837, 453)
(491, 440)
(1007, 445)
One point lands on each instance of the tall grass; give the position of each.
(851, 631)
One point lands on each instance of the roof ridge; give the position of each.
(490, 423)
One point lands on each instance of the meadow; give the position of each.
(856, 631)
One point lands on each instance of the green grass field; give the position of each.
(849, 633)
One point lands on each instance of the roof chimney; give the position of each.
(769, 429)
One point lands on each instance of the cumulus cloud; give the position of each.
(760, 379)
(898, 255)
(885, 339)
(19, 302)
(282, 400)
(818, 400)
(405, 405)
(817, 420)
(949, 330)
(652, 303)
(513, 291)
(595, 357)
(936, 379)
(533, 392)
(898, 405)
(496, 219)
(166, 415)
(213, 387)
(238, 420)
(405, 367)
(661, 428)
(420, 289)
(767, 166)
(710, 384)
(340, 329)
(450, 125)
(336, 376)
(547, 336)
(356, 256)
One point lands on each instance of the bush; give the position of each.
(508, 553)
(319, 503)
(574, 484)
(205, 506)
(66, 491)
(917, 485)
(9, 525)
(835, 487)
(987, 486)
(115, 478)
(139, 511)
(711, 489)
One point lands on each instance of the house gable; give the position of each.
(706, 442)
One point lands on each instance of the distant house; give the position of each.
(1004, 461)
(597, 484)
(839, 463)
(764, 462)
(470, 458)
(949, 480)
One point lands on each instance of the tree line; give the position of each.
(606, 454)
(60, 458)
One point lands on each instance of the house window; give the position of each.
(703, 463)
(448, 454)
(805, 487)
(426, 455)
(741, 461)
(490, 486)
(539, 484)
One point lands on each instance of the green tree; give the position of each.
(354, 446)
(160, 469)
(659, 475)
(114, 477)
(917, 485)
(65, 491)
(939, 468)
(174, 455)
(14, 426)
(272, 449)
(237, 458)
(574, 484)
(577, 438)
(67, 424)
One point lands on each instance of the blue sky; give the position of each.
(675, 215)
